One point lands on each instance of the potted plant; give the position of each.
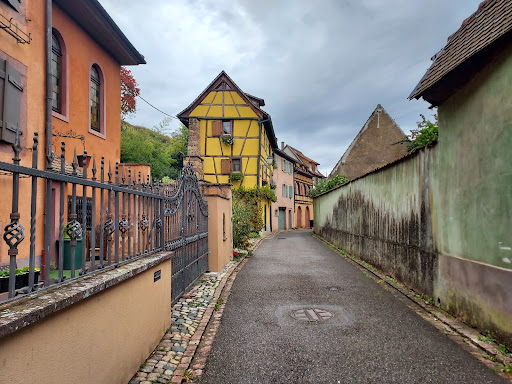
(228, 139)
(236, 176)
(264, 182)
(22, 278)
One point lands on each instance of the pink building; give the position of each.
(283, 212)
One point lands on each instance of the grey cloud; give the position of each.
(321, 67)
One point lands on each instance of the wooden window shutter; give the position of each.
(216, 127)
(225, 166)
(10, 100)
(14, 3)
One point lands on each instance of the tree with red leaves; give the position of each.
(129, 91)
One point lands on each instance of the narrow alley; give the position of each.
(353, 330)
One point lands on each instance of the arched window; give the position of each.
(56, 74)
(95, 99)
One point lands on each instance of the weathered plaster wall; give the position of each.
(384, 218)
(472, 216)
(440, 220)
(392, 219)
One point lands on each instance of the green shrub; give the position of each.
(248, 212)
(327, 184)
(426, 133)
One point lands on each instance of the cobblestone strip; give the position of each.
(189, 317)
(203, 350)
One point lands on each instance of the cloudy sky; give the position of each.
(321, 66)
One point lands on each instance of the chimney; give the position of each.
(282, 145)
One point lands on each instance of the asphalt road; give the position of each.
(372, 337)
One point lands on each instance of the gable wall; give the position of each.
(373, 148)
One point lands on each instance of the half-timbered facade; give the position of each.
(230, 137)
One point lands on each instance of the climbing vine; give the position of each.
(248, 212)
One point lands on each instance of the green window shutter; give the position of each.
(284, 188)
(10, 100)
(291, 192)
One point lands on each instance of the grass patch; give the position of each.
(67, 274)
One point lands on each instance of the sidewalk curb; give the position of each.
(465, 334)
(201, 342)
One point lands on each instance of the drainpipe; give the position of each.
(48, 78)
(48, 149)
(260, 123)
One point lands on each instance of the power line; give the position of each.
(147, 102)
(159, 110)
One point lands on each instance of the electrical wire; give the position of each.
(151, 105)
(148, 103)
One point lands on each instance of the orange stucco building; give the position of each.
(87, 50)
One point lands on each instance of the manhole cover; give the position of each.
(311, 314)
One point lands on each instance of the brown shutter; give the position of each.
(10, 99)
(216, 127)
(225, 166)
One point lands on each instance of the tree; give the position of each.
(164, 153)
(426, 133)
(129, 91)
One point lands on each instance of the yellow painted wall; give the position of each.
(230, 105)
(251, 143)
(102, 339)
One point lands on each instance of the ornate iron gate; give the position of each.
(186, 216)
(122, 218)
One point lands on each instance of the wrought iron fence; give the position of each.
(116, 218)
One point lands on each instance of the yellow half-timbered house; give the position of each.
(230, 137)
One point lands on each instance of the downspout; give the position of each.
(48, 105)
(260, 122)
(48, 149)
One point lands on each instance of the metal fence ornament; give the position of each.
(110, 227)
(124, 226)
(144, 223)
(14, 233)
(74, 230)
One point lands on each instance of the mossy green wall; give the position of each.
(473, 187)
(441, 219)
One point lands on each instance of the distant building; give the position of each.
(374, 146)
(306, 174)
(283, 216)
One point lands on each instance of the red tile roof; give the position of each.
(490, 22)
